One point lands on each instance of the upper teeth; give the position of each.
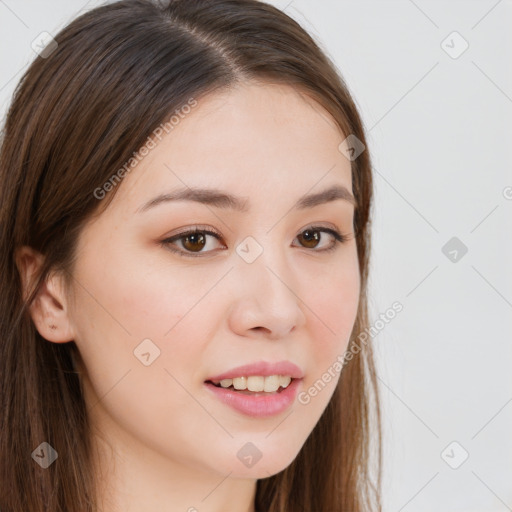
(258, 383)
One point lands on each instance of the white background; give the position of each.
(439, 131)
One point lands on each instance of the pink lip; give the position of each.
(259, 405)
(262, 368)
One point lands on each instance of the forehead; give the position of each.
(263, 142)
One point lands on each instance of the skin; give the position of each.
(162, 442)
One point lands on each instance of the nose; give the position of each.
(265, 302)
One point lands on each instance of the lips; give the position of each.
(260, 368)
(257, 405)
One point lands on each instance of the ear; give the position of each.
(49, 309)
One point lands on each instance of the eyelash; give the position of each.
(338, 238)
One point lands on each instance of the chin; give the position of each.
(259, 466)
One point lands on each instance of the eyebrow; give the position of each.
(221, 199)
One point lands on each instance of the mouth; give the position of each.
(260, 389)
(254, 385)
(256, 403)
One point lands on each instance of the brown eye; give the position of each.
(309, 238)
(194, 242)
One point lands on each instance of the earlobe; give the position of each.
(48, 310)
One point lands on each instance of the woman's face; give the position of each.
(155, 320)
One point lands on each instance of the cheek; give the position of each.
(171, 309)
(333, 304)
(129, 307)
(175, 310)
(333, 311)
(141, 303)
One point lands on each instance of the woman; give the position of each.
(186, 198)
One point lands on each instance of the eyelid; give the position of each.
(200, 228)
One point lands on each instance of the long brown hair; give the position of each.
(78, 115)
